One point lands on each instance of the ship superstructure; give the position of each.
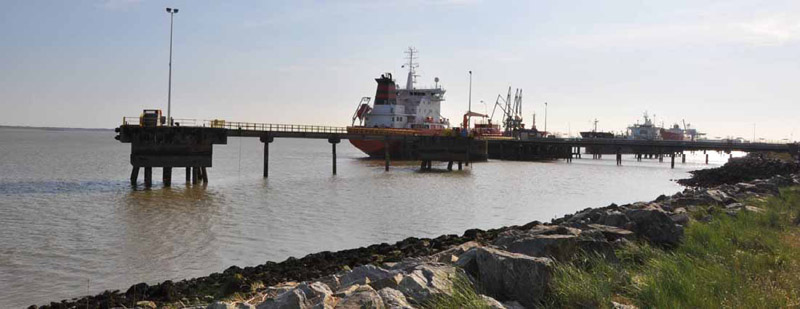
(645, 131)
(409, 109)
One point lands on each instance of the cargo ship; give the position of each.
(596, 134)
(401, 111)
(644, 131)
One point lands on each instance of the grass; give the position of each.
(748, 261)
(463, 295)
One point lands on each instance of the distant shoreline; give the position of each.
(54, 128)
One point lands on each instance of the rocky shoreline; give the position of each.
(512, 265)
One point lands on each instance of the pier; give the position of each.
(191, 146)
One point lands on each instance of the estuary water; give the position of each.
(72, 225)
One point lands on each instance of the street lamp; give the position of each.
(172, 13)
(545, 117)
(469, 109)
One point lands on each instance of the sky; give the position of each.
(729, 68)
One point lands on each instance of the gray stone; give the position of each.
(304, 296)
(680, 218)
(244, 306)
(358, 297)
(656, 226)
(612, 233)
(617, 305)
(492, 303)
(511, 276)
(426, 280)
(364, 275)
(393, 299)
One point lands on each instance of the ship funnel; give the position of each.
(386, 94)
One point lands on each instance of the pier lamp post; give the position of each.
(172, 13)
(545, 117)
(469, 108)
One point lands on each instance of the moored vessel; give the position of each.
(401, 111)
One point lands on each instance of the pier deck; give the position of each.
(189, 144)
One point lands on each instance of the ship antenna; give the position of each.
(412, 74)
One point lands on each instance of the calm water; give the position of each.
(71, 225)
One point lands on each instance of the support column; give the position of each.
(450, 165)
(204, 172)
(683, 157)
(430, 165)
(188, 174)
(334, 141)
(386, 155)
(619, 158)
(167, 177)
(660, 157)
(459, 165)
(148, 176)
(195, 174)
(672, 165)
(267, 140)
(134, 175)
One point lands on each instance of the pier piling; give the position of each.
(386, 155)
(134, 175)
(204, 172)
(672, 156)
(148, 176)
(188, 174)
(334, 141)
(267, 140)
(450, 165)
(683, 157)
(167, 176)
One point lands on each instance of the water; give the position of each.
(71, 224)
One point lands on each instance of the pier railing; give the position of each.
(273, 127)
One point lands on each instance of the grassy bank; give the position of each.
(751, 260)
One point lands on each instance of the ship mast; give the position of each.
(411, 80)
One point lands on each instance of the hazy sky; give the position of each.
(721, 65)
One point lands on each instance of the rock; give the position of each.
(513, 305)
(617, 305)
(359, 296)
(390, 282)
(304, 296)
(333, 282)
(492, 303)
(244, 306)
(393, 299)
(680, 218)
(426, 280)
(556, 242)
(656, 226)
(147, 304)
(511, 276)
(364, 275)
(612, 233)
(451, 255)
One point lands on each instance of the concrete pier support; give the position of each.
(619, 158)
(195, 174)
(450, 165)
(386, 155)
(706, 159)
(134, 175)
(267, 140)
(167, 177)
(683, 157)
(660, 157)
(672, 156)
(188, 174)
(334, 141)
(148, 176)
(204, 172)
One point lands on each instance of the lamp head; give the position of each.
(169, 10)
(175, 10)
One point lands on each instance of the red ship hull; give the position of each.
(377, 148)
(671, 136)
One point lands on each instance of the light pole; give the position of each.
(469, 108)
(545, 118)
(172, 13)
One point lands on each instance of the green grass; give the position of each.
(463, 295)
(748, 261)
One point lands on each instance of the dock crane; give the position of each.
(512, 110)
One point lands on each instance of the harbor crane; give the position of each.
(512, 110)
